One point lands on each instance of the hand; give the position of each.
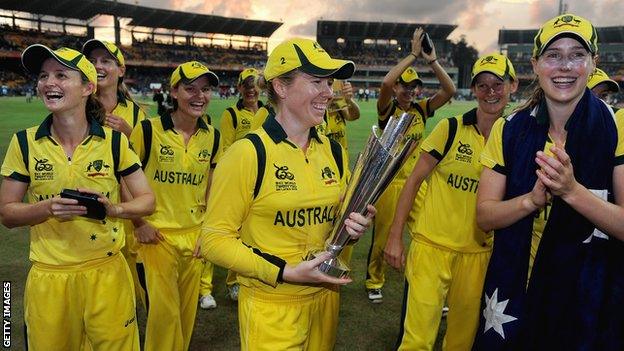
(117, 123)
(417, 42)
(146, 234)
(538, 197)
(347, 91)
(556, 172)
(64, 209)
(111, 210)
(357, 224)
(307, 272)
(394, 252)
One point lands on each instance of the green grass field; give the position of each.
(362, 325)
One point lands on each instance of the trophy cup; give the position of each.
(374, 169)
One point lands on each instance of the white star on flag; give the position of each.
(494, 314)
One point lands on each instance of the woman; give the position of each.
(396, 96)
(178, 152)
(268, 189)
(556, 275)
(79, 287)
(449, 254)
(122, 114)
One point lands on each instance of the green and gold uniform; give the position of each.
(79, 286)
(386, 205)
(236, 122)
(179, 175)
(281, 200)
(132, 114)
(261, 116)
(449, 253)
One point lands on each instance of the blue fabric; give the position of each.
(575, 297)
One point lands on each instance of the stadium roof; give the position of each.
(525, 36)
(144, 16)
(379, 30)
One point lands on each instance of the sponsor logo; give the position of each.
(97, 168)
(203, 156)
(462, 183)
(245, 122)
(128, 322)
(464, 153)
(43, 169)
(304, 216)
(166, 154)
(328, 176)
(415, 136)
(285, 179)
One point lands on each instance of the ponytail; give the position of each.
(95, 110)
(537, 95)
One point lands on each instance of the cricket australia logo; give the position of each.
(464, 152)
(166, 153)
(203, 156)
(43, 169)
(285, 180)
(97, 168)
(567, 20)
(328, 176)
(488, 60)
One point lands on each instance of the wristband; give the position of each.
(432, 61)
(413, 54)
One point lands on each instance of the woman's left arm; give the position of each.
(557, 175)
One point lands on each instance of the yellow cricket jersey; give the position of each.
(337, 127)
(492, 157)
(448, 216)
(177, 173)
(34, 157)
(421, 111)
(281, 201)
(261, 116)
(236, 122)
(129, 111)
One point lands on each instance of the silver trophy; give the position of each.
(376, 166)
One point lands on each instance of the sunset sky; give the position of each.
(478, 20)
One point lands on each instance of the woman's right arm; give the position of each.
(15, 213)
(493, 212)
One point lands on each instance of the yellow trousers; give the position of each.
(90, 305)
(205, 283)
(386, 209)
(172, 276)
(435, 275)
(288, 323)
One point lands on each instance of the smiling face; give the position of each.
(563, 70)
(193, 98)
(108, 70)
(492, 93)
(306, 98)
(62, 88)
(405, 93)
(249, 92)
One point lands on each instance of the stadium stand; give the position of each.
(160, 39)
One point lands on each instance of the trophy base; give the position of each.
(334, 267)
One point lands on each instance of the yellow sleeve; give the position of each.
(492, 155)
(228, 133)
(13, 165)
(259, 118)
(230, 200)
(619, 150)
(136, 141)
(128, 160)
(435, 142)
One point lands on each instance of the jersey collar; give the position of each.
(470, 117)
(167, 122)
(44, 130)
(240, 106)
(278, 134)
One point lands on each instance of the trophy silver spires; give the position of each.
(376, 166)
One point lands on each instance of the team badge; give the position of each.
(97, 168)
(567, 20)
(203, 156)
(328, 176)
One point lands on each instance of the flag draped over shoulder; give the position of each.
(575, 297)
